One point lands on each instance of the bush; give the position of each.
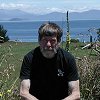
(8, 82)
(3, 36)
(89, 71)
(74, 40)
(98, 37)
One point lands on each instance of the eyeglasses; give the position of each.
(47, 39)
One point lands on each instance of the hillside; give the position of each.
(12, 15)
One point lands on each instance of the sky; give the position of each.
(47, 6)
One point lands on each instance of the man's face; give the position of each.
(49, 45)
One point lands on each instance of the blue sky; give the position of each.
(47, 6)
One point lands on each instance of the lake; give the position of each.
(27, 31)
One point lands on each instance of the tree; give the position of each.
(3, 35)
(98, 32)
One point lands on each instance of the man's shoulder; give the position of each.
(65, 53)
(31, 53)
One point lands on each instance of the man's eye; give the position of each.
(52, 41)
(44, 40)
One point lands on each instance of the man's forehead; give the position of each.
(49, 37)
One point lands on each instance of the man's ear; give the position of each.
(39, 41)
(59, 44)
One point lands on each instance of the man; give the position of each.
(48, 72)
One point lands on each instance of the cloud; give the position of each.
(44, 10)
(13, 6)
(40, 9)
(30, 8)
(56, 9)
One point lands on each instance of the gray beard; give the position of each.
(48, 53)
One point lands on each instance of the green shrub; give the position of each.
(89, 71)
(74, 40)
(3, 35)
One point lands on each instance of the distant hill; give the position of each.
(16, 19)
(86, 15)
(18, 15)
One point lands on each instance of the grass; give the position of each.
(11, 56)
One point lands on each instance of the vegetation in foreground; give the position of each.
(12, 53)
(3, 34)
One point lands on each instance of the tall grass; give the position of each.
(11, 55)
(89, 71)
(8, 78)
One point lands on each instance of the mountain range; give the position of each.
(18, 15)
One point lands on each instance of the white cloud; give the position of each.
(37, 9)
(56, 10)
(13, 6)
(44, 10)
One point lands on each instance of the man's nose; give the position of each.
(48, 43)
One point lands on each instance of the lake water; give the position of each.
(28, 31)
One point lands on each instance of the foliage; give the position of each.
(74, 40)
(98, 32)
(12, 53)
(89, 71)
(8, 82)
(3, 35)
(98, 37)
